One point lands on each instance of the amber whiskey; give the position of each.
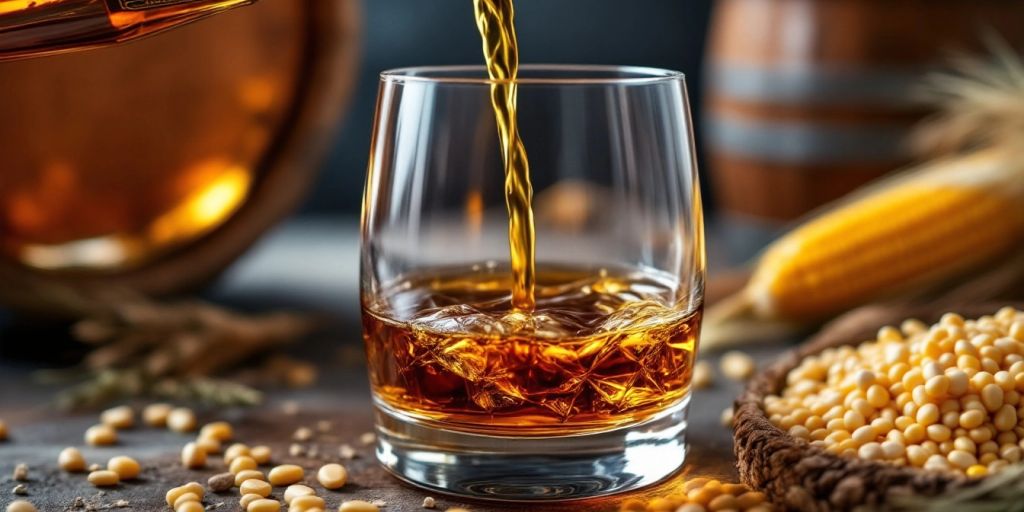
(600, 349)
(39, 27)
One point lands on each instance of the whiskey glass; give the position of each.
(586, 394)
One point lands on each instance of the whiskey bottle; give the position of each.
(40, 27)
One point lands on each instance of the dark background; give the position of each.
(397, 33)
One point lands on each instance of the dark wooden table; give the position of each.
(310, 265)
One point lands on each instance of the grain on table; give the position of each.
(71, 460)
(726, 417)
(306, 503)
(184, 498)
(247, 499)
(332, 476)
(296, 490)
(209, 445)
(261, 454)
(190, 506)
(249, 474)
(21, 506)
(155, 415)
(220, 430)
(234, 451)
(253, 486)
(737, 365)
(181, 419)
(358, 506)
(703, 375)
(126, 468)
(20, 473)
(193, 456)
(176, 492)
(221, 482)
(120, 417)
(302, 434)
(241, 463)
(100, 435)
(104, 478)
(264, 505)
(285, 474)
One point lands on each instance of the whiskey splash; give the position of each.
(494, 19)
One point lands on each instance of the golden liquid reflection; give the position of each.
(216, 189)
(475, 212)
(7, 6)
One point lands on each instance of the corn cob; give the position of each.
(930, 224)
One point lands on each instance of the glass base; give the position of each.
(505, 468)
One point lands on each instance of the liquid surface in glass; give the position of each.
(601, 348)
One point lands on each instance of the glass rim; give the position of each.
(589, 74)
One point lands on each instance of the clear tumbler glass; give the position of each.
(586, 394)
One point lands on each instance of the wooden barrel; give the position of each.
(154, 164)
(806, 100)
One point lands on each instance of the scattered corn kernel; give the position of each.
(737, 365)
(703, 375)
(264, 505)
(249, 474)
(234, 451)
(118, 417)
(726, 417)
(185, 498)
(303, 434)
(285, 474)
(247, 499)
(943, 397)
(219, 430)
(126, 468)
(193, 456)
(104, 478)
(155, 415)
(191, 487)
(100, 435)
(294, 491)
(20, 473)
(332, 476)
(21, 506)
(181, 419)
(190, 506)
(253, 486)
(209, 445)
(260, 454)
(306, 504)
(429, 502)
(71, 460)
(358, 506)
(242, 463)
